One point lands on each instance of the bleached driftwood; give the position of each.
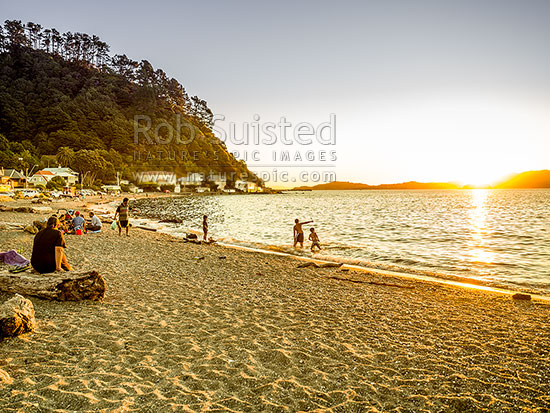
(63, 286)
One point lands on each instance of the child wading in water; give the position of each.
(314, 239)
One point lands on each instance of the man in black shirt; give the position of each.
(48, 253)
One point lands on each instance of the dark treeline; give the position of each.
(63, 91)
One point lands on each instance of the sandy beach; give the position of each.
(187, 327)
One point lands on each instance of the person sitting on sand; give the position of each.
(299, 232)
(95, 223)
(314, 238)
(123, 213)
(48, 253)
(205, 226)
(63, 225)
(68, 221)
(79, 223)
(69, 215)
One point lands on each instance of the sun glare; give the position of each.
(478, 250)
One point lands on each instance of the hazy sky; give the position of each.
(421, 90)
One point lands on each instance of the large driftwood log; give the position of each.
(66, 286)
(16, 317)
(322, 265)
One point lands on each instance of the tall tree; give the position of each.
(16, 33)
(35, 34)
(57, 41)
(46, 40)
(65, 156)
(3, 40)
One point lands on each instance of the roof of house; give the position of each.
(13, 173)
(61, 171)
(44, 172)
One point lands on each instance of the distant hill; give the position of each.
(356, 186)
(529, 179)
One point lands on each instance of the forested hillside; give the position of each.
(64, 99)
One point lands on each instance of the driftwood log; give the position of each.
(322, 265)
(65, 286)
(16, 317)
(371, 282)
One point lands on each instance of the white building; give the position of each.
(41, 178)
(111, 188)
(247, 186)
(70, 176)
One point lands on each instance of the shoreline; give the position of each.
(430, 275)
(191, 327)
(393, 274)
(98, 206)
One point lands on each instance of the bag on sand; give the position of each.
(113, 225)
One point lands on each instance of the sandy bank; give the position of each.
(182, 328)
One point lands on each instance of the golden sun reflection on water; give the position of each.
(478, 216)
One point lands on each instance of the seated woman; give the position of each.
(48, 253)
(63, 224)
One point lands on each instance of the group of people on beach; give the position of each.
(72, 222)
(48, 254)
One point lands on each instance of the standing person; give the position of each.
(79, 223)
(48, 253)
(123, 213)
(299, 232)
(95, 224)
(205, 226)
(314, 238)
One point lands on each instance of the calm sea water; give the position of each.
(500, 236)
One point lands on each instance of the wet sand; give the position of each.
(182, 328)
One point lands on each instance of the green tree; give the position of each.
(65, 156)
(56, 183)
(89, 164)
(61, 93)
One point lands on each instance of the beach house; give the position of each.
(70, 176)
(247, 186)
(5, 182)
(41, 178)
(13, 178)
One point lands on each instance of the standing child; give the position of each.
(205, 226)
(314, 238)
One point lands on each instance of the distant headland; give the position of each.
(529, 179)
